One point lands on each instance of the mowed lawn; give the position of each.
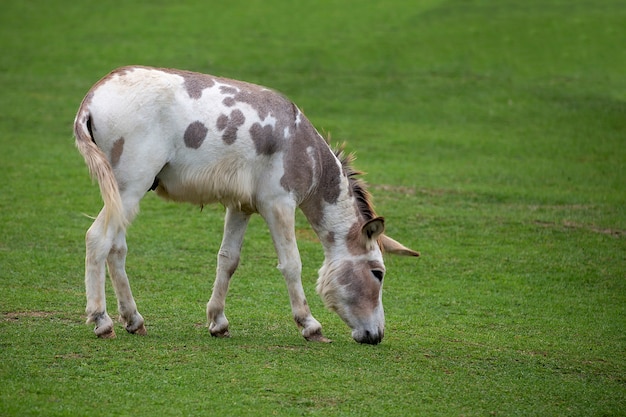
(493, 134)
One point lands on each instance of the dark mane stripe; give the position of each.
(357, 185)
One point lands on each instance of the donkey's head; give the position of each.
(351, 284)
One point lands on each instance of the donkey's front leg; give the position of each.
(281, 221)
(235, 224)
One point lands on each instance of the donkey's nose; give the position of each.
(371, 338)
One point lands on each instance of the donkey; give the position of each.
(203, 139)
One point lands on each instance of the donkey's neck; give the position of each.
(335, 222)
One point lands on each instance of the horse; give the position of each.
(204, 139)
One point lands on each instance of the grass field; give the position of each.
(494, 137)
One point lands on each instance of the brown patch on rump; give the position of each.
(116, 151)
(195, 134)
(230, 125)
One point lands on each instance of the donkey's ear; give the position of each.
(373, 228)
(396, 248)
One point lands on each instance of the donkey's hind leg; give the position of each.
(107, 244)
(98, 242)
(125, 302)
(235, 224)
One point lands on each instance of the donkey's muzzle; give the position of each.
(370, 338)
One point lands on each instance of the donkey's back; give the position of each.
(198, 138)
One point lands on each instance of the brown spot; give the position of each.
(237, 118)
(265, 102)
(195, 134)
(225, 89)
(298, 165)
(222, 122)
(195, 83)
(309, 155)
(363, 293)
(230, 125)
(116, 151)
(264, 140)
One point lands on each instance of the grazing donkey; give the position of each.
(203, 139)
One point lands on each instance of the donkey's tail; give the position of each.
(100, 169)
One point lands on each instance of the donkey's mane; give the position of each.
(357, 185)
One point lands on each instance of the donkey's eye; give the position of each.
(378, 274)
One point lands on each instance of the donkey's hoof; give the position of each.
(219, 330)
(105, 332)
(317, 337)
(141, 330)
(221, 334)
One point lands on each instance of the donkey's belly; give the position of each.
(228, 181)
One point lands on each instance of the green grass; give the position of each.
(494, 137)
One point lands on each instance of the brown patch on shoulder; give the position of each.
(330, 182)
(265, 142)
(116, 151)
(230, 125)
(309, 156)
(298, 165)
(195, 134)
